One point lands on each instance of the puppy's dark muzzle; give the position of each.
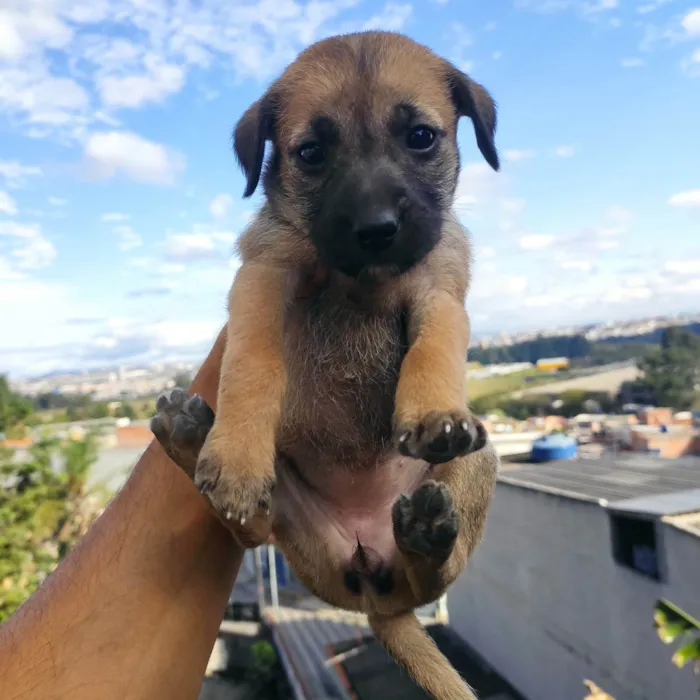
(376, 230)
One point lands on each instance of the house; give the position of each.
(667, 441)
(575, 555)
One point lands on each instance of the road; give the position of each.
(607, 380)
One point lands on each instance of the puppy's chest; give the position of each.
(343, 364)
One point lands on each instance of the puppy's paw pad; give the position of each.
(241, 497)
(426, 522)
(181, 425)
(441, 436)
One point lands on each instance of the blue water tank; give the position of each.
(553, 447)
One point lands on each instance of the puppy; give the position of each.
(342, 423)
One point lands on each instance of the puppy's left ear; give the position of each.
(473, 100)
(254, 129)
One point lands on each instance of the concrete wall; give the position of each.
(545, 603)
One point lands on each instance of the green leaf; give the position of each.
(689, 652)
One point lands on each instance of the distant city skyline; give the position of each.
(189, 360)
(120, 199)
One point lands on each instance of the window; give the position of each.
(635, 546)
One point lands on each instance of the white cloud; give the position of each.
(36, 254)
(7, 204)
(691, 22)
(651, 6)
(15, 174)
(565, 151)
(393, 17)
(536, 241)
(134, 91)
(576, 264)
(128, 238)
(586, 9)
(460, 43)
(112, 152)
(691, 64)
(201, 244)
(634, 62)
(516, 154)
(57, 202)
(477, 184)
(220, 206)
(689, 198)
(47, 102)
(69, 63)
(27, 247)
(683, 267)
(21, 31)
(594, 6)
(485, 253)
(114, 216)
(512, 205)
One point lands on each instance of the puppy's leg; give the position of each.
(439, 525)
(431, 419)
(235, 470)
(181, 425)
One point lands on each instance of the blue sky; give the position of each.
(120, 200)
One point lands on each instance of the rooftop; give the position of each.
(635, 482)
(333, 655)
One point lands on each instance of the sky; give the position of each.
(120, 199)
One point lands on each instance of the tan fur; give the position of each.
(314, 367)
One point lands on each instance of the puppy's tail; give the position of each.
(405, 638)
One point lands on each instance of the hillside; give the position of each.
(577, 348)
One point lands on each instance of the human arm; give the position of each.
(133, 612)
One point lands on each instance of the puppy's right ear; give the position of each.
(254, 129)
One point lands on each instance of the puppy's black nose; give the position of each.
(376, 228)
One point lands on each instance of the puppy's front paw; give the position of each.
(441, 436)
(238, 489)
(181, 425)
(426, 522)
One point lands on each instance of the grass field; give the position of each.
(509, 383)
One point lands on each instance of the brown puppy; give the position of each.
(342, 381)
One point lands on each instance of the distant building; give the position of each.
(552, 364)
(574, 558)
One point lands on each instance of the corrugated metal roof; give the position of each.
(303, 639)
(608, 479)
(674, 503)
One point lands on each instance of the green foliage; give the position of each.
(13, 408)
(126, 410)
(673, 369)
(44, 509)
(183, 380)
(568, 404)
(574, 346)
(673, 625)
(264, 669)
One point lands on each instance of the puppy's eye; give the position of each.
(420, 138)
(311, 153)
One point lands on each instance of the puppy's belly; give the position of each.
(341, 506)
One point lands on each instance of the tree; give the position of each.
(182, 380)
(673, 370)
(126, 410)
(44, 508)
(13, 408)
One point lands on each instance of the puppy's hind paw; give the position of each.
(181, 425)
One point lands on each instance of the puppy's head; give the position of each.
(364, 147)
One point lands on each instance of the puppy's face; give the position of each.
(364, 157)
